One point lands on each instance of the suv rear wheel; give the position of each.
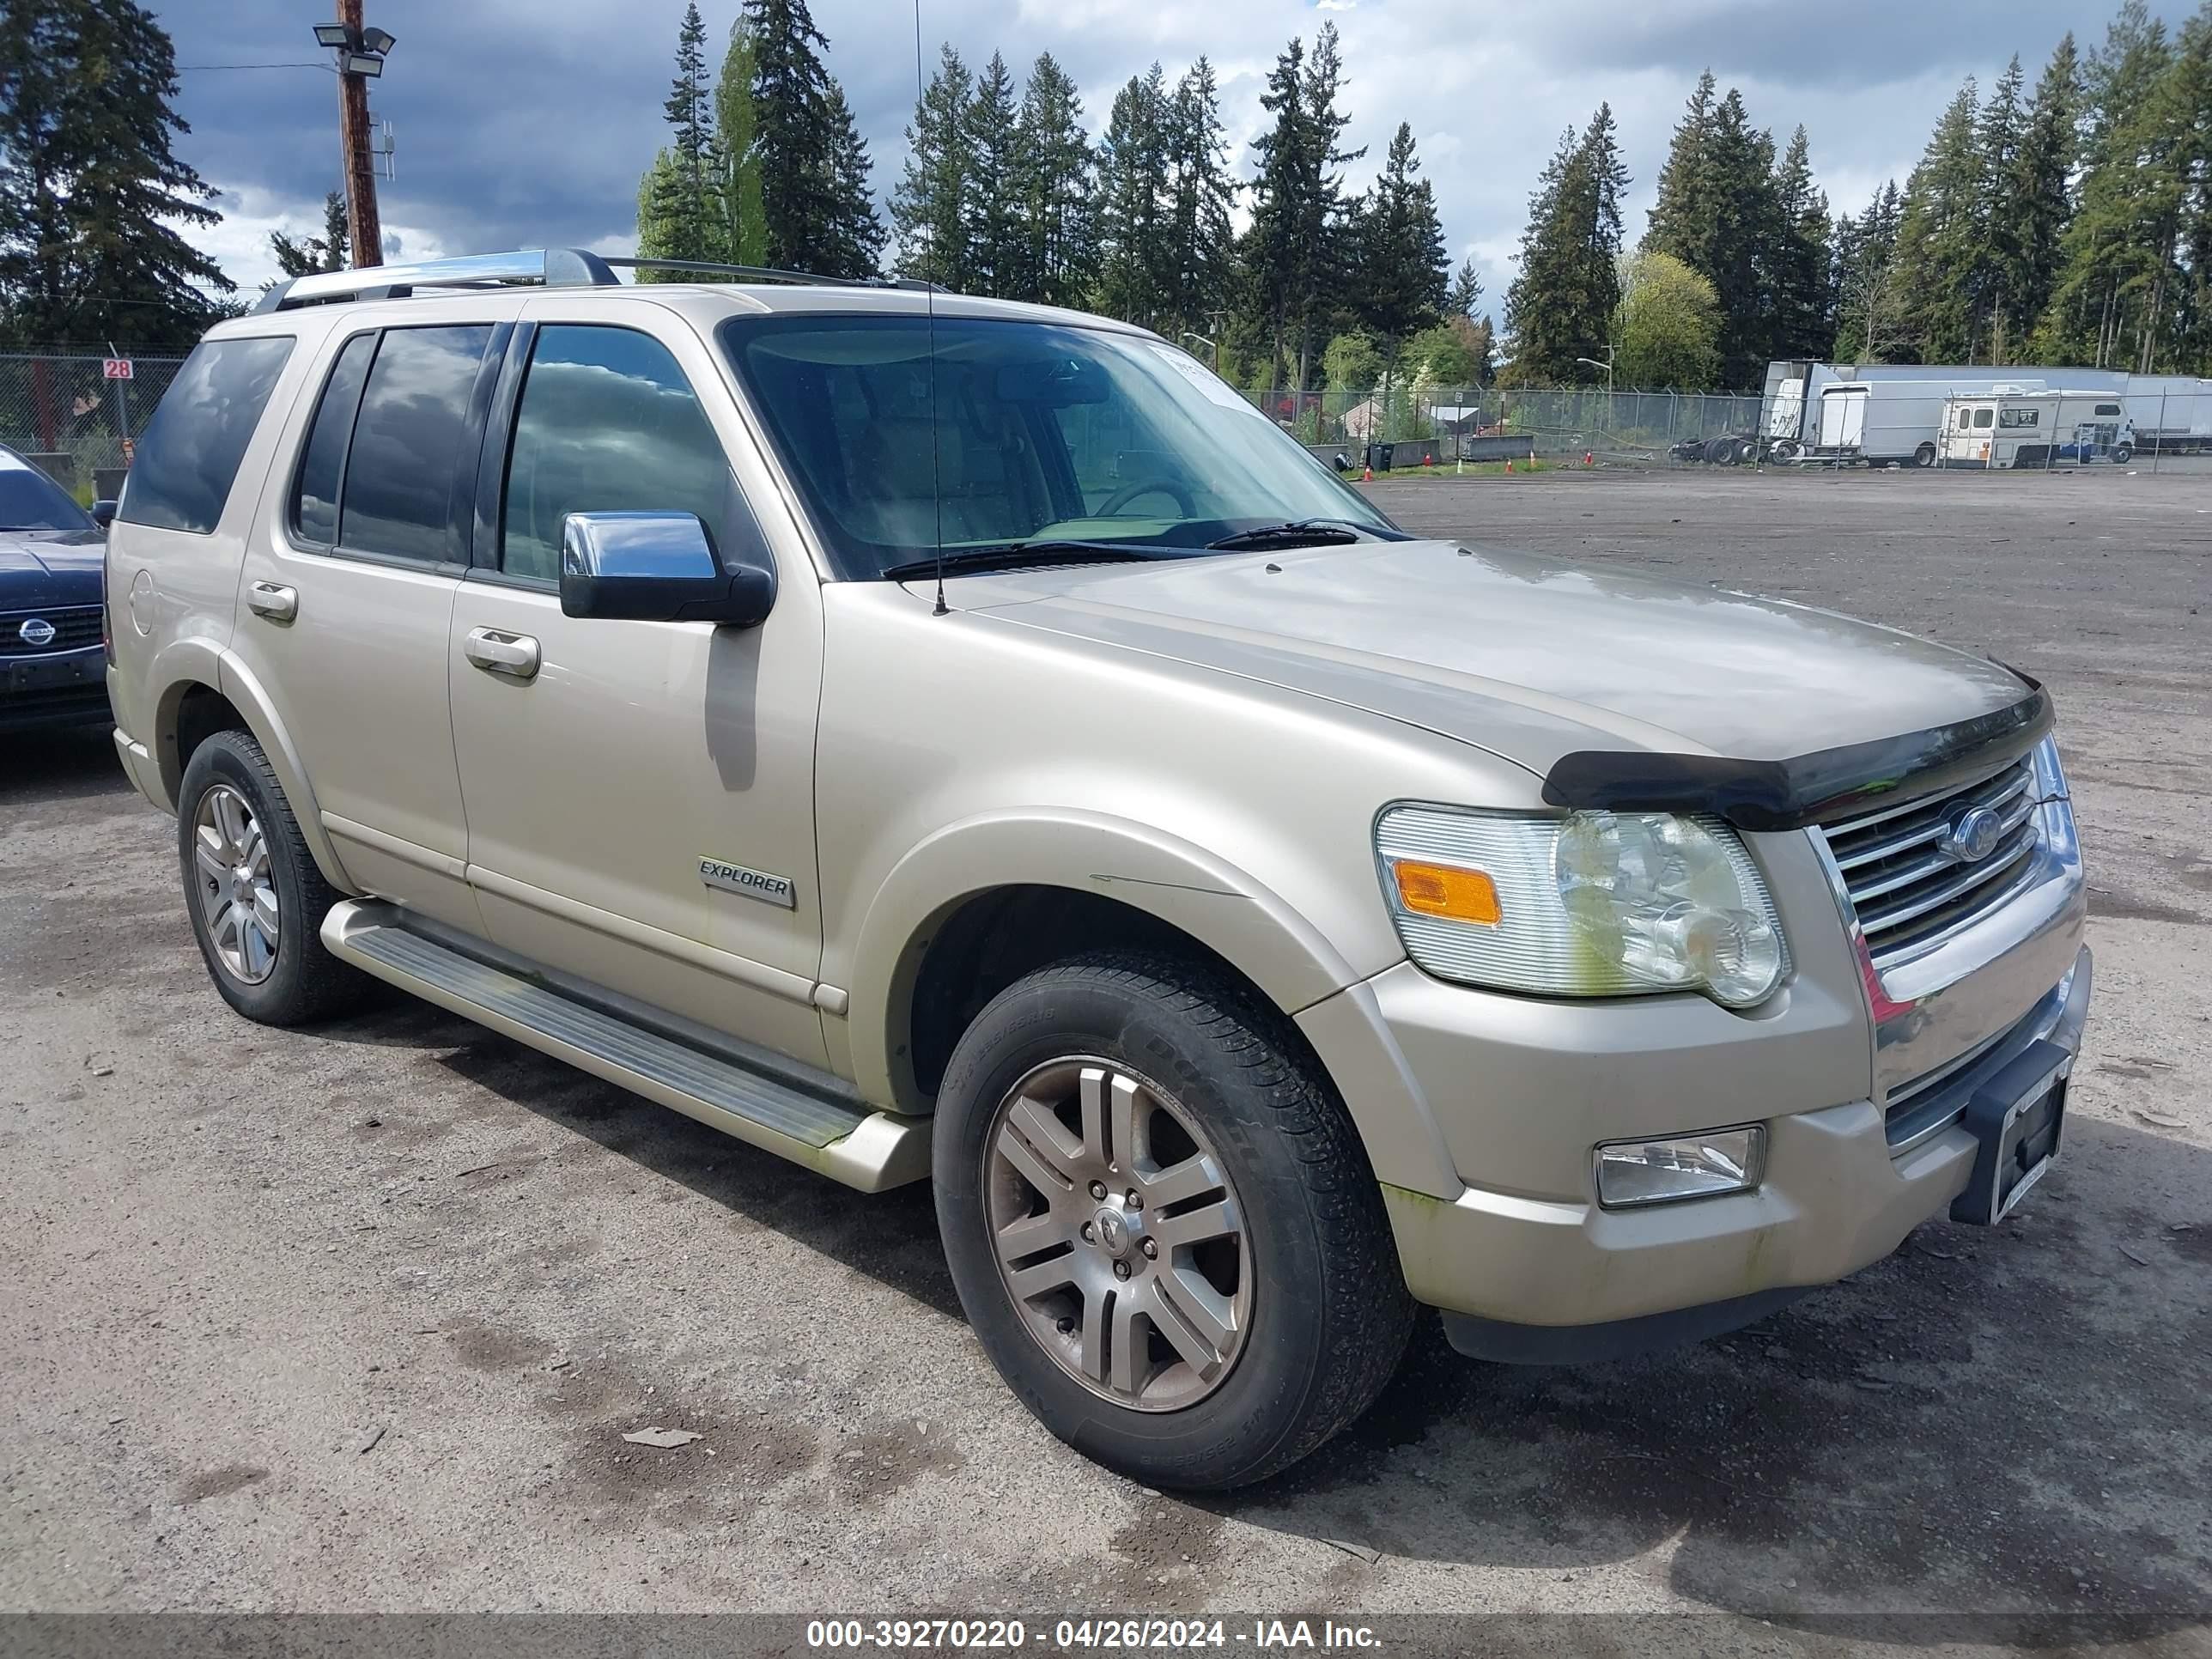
(1161, 1223)
(256, 899)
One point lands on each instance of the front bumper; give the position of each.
(1552, 1280)
(69, 687)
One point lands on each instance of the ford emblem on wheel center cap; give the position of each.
(1975, 836)
(36, 630)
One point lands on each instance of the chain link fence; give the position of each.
(76, 416)
(1476, 423)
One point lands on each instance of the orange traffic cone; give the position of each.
(1589, 459)
(1509, 466)
(1427, 459)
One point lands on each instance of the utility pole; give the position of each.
(361, 54)
(362, 229)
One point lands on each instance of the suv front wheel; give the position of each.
(256, 899)
(1161, 1223)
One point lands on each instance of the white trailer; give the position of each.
(2036, 429)
(1884, 413)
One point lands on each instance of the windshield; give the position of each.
(29, 499)
(1042, 432)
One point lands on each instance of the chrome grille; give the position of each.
(1908, 888)
(75, 627)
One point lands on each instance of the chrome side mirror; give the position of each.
(656, 566)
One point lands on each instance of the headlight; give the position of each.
(1590, 905)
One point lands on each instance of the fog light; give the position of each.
(1632, 1172)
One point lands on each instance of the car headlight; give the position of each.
(1589, 905)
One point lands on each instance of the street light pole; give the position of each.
(1192, 334)
(361, 54)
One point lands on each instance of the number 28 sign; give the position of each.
(115, 368)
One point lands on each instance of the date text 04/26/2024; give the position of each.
(1088, 1635)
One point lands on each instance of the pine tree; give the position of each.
(1561, 305)
(1466, 291)
(1803, 301)
(328, 251)
(1938, 249)
(1293, 250)
(994, 207)
(2035, 200)
(1996, 276)
(92, 197)
(680, 203)
(851, 235)
(817, 213)
(1200, 190)
(1054, 175)
(1403, 285)
(1136, 274)
(1869, 296)
(931, 214)
(1720, 212)
(2107, 262)
(743, 219)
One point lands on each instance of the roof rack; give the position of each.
(551, 267)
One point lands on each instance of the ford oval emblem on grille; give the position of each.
(1975, 836)
(36, 630)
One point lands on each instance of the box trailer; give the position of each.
(2038, 429)
(1880, 414)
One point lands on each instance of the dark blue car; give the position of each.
(52, 665)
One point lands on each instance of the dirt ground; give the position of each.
(355, 1318)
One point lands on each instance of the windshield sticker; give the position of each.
(1217, 389)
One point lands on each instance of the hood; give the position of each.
(56, 568)
(1528, 657)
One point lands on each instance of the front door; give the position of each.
(623, 778)
(346, 599)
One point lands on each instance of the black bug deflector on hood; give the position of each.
(1795, 794)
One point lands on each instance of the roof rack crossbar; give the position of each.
(552, 267)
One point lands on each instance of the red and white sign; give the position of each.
(115, 368)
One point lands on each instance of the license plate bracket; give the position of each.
(2017, 1119)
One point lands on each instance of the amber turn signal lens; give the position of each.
(1441, 890)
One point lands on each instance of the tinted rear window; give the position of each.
(189, 457)
(315, 497)
(29, 499)
(406, 459)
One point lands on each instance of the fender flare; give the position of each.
(1233, 914)
(186, 663)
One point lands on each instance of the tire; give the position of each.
(1317, 1303)
(1746, 451)
(2123, 455)
(1924, 456)
(228, 782)
(1720, 451)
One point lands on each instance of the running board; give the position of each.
(844, 1140)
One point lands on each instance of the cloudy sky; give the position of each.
(523, 123)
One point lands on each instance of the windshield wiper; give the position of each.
(1299, 532)
(1022, 556)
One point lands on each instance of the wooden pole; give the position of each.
(362, 228)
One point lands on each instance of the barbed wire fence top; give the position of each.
(72, 414)
(1555, 420)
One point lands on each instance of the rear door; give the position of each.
(1843, 418)
(348, 590)
(620, 773)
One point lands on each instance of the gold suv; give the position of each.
(929, 738)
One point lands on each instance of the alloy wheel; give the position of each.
(1117, 1234)
(236, 888)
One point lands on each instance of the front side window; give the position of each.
(1982, 419)
(405, 464)
(986, 433)
(189, 457)
(608, 422)
(1965, 419)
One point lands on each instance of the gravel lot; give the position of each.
(355, 1318)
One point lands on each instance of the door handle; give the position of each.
(514, 654)
(273, 600)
